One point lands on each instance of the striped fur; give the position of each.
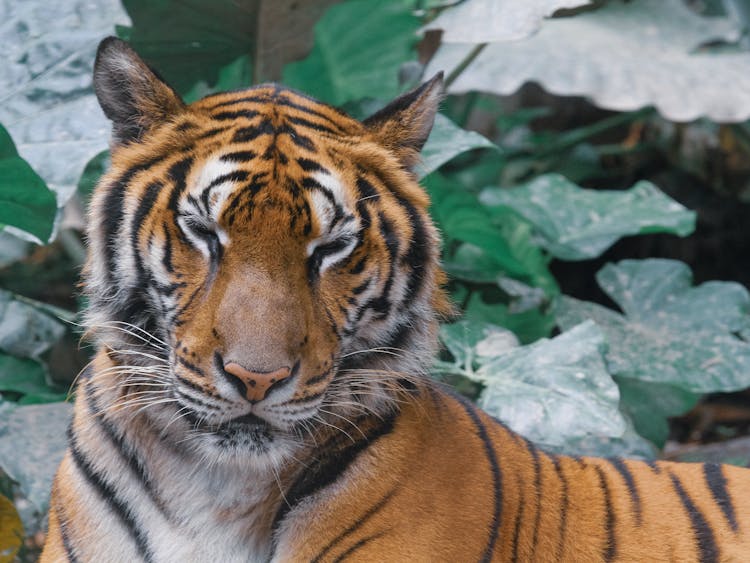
(263, 229)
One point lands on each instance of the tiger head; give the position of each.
(261, 259)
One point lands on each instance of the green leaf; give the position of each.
(358, 51)
(576, 223)
(541, 390)
(94, 170)
(485, 21)
(447, 140)
(33, 467)
(25, 330)
(47, 101)
(190, 41)
(529, 325)
(623, 56)
(650, 404)
(460, 216)
(670, 332)
(471, 342)
(630, 445)
(25, 201)
(11, 531)
(21, 375)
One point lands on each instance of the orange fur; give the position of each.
(206, 239)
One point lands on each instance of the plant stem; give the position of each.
(467, 60)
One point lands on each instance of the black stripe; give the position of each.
(63, 526)
(635, 497)
(300, 400)
(381, 304)
(717, 483)
(709, 551)
(653, 465)
(212, 132)
(167, 258)
(243, 100)
(125, 450)
(148, 199)
(110, 497)
(519, 519)
(193, 400)
(318, 378)
(419, 246)
(497, 478)
(311, 125)
(234, 176)
(189, 365)
(238, 156)
(114, 212)
(418, 253)
(302, 141)
(227, 115)
(310, 165)
(193, 386)
(357, 546)
(312, 184)
(284, 101)
(537, 490)
(377, 507)
(185, 126)
(563, 509)
(610, 549)
(335, 457)
(177, 173)
(247, 134)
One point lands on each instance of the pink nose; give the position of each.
(255, 385)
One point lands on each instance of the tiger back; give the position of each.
(264, 292)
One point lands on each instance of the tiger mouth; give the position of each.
(250, 423)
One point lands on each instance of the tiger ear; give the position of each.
(404, 125)
(129, 92)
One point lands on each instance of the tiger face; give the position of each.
(254, 250)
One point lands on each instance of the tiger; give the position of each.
(264, 293)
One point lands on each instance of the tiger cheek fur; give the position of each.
(264, 292)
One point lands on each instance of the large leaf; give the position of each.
(486, 21)
(630, 444)
(469, 343)
(447, 140)
(25, 330)
(25, 201)
(577, 223)
(504, 242)
(32, 443)
(190, 41)
(11, 531)
(20, 375)
(543, 390)
(528, 325)
(670, 332)
(202, 47)
(47, 102)
(624, 55)
(649, 405)
(359, 48)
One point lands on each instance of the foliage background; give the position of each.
(589, 172)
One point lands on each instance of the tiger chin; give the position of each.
(264, 290)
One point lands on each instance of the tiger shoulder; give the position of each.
(264, 291)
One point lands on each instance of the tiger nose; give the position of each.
(255, 385)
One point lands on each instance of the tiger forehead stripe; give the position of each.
(288, 99)
(328, 197)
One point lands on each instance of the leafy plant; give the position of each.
(518, 189)
(623, 55)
